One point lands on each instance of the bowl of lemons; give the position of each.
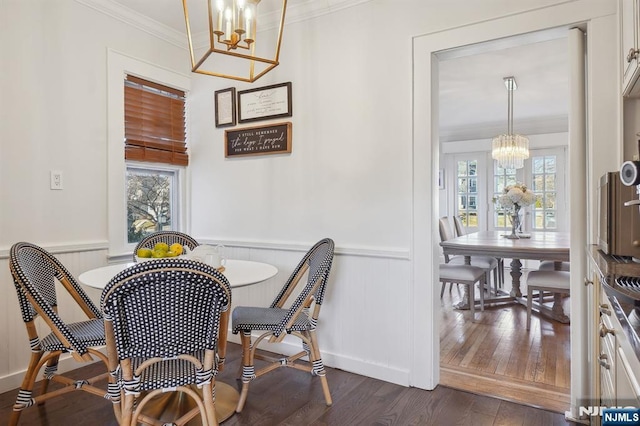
(159, 251)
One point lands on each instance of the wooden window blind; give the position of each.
(154, 123)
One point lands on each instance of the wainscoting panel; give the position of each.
(363, 325)
(364, 322)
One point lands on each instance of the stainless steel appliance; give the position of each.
(619, 226)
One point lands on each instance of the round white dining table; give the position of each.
(239, 273)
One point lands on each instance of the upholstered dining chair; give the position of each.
(299, 320)
(550, 265)
(556, 282)
(35, 273)
(467, 275)
(461, 230)
(166, 326)
(168, 237)
(487, 263)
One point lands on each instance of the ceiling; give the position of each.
(473, 98)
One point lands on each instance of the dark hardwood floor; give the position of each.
(292, 397)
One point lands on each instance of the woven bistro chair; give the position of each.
(168, 237)
(299, 320)
(166, 326)
(35, 272)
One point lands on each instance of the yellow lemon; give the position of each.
(158, 253)
(176, 248)
(161, 247)
(170, 253)
(144, 252)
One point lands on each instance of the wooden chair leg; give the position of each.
(25, 394)
(248, 372)
(50, 369)
(318, 366)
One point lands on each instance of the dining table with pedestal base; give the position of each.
(553, 246)
(239, 273)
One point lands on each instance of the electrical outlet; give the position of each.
(56, 179)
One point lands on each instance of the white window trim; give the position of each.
(118, 66)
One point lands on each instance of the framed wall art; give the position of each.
(225, 107)
(258, 140)
(264, 103)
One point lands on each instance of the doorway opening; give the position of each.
(532, 367)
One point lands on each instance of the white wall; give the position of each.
(348, 177)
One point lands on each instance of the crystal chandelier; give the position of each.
(231, 48)
(510, 150)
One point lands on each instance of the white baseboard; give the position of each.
(66, 363)
(352, 365)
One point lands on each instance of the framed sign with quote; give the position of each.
(225, 110)
(258, 140)
(264, 103)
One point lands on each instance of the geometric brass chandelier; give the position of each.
(509, 149)
(223, 39)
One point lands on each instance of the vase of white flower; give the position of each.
(515, 197)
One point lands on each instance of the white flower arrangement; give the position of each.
(516, 196)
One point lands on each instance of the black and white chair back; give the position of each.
(168, 237)
(35, 273)
(166, 326)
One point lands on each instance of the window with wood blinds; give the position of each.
(154, 120)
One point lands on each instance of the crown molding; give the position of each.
(301, 11)
(138, 20)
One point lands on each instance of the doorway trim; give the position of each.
(425, 351)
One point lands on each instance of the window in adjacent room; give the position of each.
(155, 151)
(501, 179)
(544, 173)
(467, 192)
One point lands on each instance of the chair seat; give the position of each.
(460, 273)
(549, 265)
(258, 318)
(90, 332)
(484, 262)
(559, 280)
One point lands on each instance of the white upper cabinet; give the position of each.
(629, 46)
